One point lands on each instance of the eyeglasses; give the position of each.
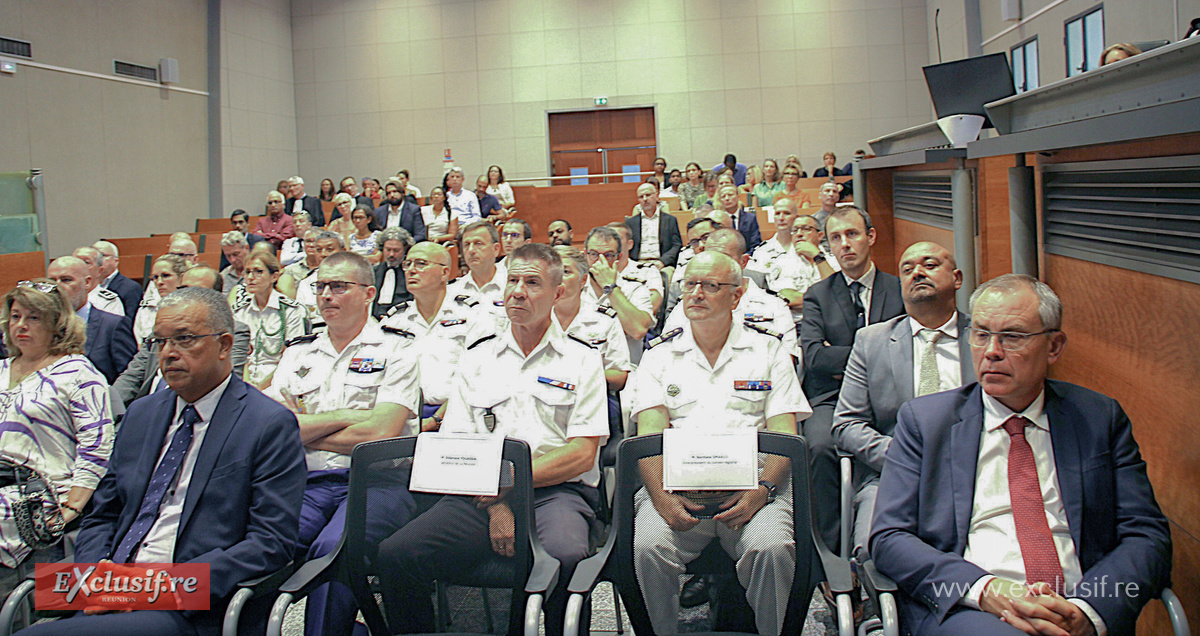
(607, 255)
(43, 287)
(800, 229)
(512, 235)
(418, 264)
(338, 287)
(1009, 340)
(708, 286)
(694, 243)
(181, 341)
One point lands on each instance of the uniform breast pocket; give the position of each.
(305, 394)
(362, 389)
(750, 403)
(481, 403)
(680, 404)
(554, 403)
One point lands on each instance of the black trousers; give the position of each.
(823, 470)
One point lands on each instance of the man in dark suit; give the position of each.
(139, 378)
(834, 310)
(227, 492)
(389, 275)
(299, 201)
(1018, 504)
(743, 221)
(398, 211)
(667, 241)
(350, 187)
(110, 344)
(113, 280)
(893, 361)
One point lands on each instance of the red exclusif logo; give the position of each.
(121, 586)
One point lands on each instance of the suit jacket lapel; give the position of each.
(93, 331)
(229, 409)
(1067, 461)
(900, 353)
(151, 370)
(964, 442)
(841, 294)
(879, 295)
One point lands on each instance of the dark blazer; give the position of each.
(410, 219)
(828, 328)
(129, 291)
(137, 380)
(878, 380)
(923, 509)
(110, 345)
(241, 514)
(747, 224)
(312, 205)
(378, 308)
(669, 240)
(824, 172)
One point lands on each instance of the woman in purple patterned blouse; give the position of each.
(54, 410)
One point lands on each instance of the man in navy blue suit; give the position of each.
(398, 211)
(234, 501)
(743, 221)
(113, 280)
(110, 345)
(1018, 504)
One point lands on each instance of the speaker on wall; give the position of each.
(168, 70)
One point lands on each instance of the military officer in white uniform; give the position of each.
(324, 245)
(597, 325)
(532, 382)
(354, 382)
(101, 298)
(628, 294)
(485, 278)
(440, 324)
(715, 372)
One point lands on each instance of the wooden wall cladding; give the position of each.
(995, 244)
(879, 204)
(1131, 336)
(20, 266)
(909, 232)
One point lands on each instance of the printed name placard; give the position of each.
(457, 464)
(710, 459)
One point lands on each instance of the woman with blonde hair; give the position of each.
(165, 274)
(339, 219)
(1118, 52)
(272, 317)
(58, 429)
(771, 183)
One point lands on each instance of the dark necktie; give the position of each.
(856, 296)
(1029, 510)
(157, 488)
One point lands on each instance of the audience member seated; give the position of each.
(503, 192)
(238, 480)
(58, 423)
(674, 179)
(399, 211)
(504, 374)
(235, 249)
(698, 231)
(754, 176)
(628, 296)
(109, 337)
(393, 244)
(772, 182)
(348, 186)
(791, 189)
(792, 260)
(513, 234)
(892, 362)
(693, 186)
(113, 280)
(1018, 504)
(489, 206)
(559, 232)
(273, 318)
(680, 384)
(372, 190)
(485, 278)
(293, 250)
(301, 202)
(361, 240)
(744, 221)
(731, 164)
(354, 382)
(830, 168)
(1118, 52)
(441, 226)
(584, 319)
(327, 190)
(143, 374)
(463, 203)
(709, 196)
(105, 299)
(659, 168)
(275, 226)
(240, 221)
(325, 245)
(164, 275)
(301, 268)
(834, 310)
(655, 233)
(411, 192)
(794, 160)
(640, 271)
(829, 194)
(339, 219)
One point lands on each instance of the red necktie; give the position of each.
(1029, 510)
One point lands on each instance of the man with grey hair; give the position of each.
(628, 296)
(710, 373)
(210, 471)
(113, 280)
(1013, 504)
(110, 343)
(301, 202)
(354, 382)
(275, 226)
(655, 233)
(234, 248)
(393, 243)
(483, 284)
(104, 299)
(324, 245)
(398, 211)
(463, 203)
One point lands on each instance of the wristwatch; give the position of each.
(819, 258)
(608, 289)
(772, 489)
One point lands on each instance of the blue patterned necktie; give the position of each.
(157, 488)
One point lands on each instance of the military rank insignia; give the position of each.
(558, 383)
(453, 321)
(757, 318)
(752, 385)
(366, 365)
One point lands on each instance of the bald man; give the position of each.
(656, 237)
(104, 299)
(110, 345)
(113, 280)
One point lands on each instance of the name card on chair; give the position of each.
(457, 464)
(710, 459)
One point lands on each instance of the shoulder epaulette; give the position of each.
(106, 294)
(147, 303)
(290, 302)
(310, 273)
(464, 299)
(581, 341)
(242, 301)
(607, 311)
(397, 308)
(398, 331)
(301, 340)
(665, 337)
(762, 329)
(480, 341)
(633, 279)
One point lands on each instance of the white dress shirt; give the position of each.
(651, 246)
(992, 533)
(945, 352)
(159, 544)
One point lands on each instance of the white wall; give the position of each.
(386, 84)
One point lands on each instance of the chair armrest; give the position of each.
(588, 571)
(837, 572)
(878, 580)
(543, 576)
(315, 572)
(270, 582)
(1179, 621)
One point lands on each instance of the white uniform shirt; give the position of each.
(645, 272)
(490, 295)
(143, 321)
(555, 393)
(106, 300)
(270, 329)
(601, 329)
(756, 307)
(440, 342)
(752, 381)
(636, 289)
(945, 353)
(159, 544)
(308, 298)
(650, 248)
(376, 367)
